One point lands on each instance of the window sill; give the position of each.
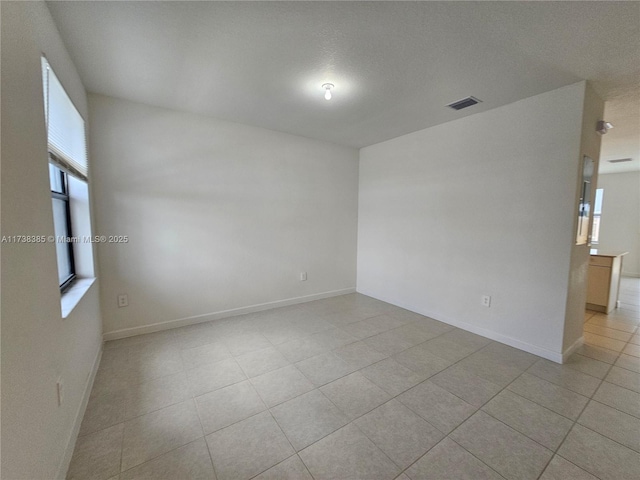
(73, 295)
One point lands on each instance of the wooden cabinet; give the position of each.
(604, 282)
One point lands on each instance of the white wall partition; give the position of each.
(479, 206)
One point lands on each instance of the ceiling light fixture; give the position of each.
(327, 90)
(603, 127)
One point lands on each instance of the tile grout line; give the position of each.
(478, 409)
(611, 407)
(121, 450)
(167, 452)
(193, 399)
(185, 369)
(542, 406)
(446, 435)
(394, 397)
(204, 435)
(173, 340)
(280, 463)
(353, 420)
(474, 456)
(575, 422)
(602, 434)
(296, 452)
(508, 426)
(555, 452)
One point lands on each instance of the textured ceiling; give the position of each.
(394, 64)
(622, 141)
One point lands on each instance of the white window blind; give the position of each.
(65, 127)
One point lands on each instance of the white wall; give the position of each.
(481, 205)
(38, 345)
(220, 215)
(620, 228)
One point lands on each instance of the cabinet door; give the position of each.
(599, 281)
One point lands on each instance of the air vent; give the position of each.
(464, 103)
(620, 160)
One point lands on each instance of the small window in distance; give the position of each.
(597, 212)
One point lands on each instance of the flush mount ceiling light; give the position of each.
(327, 90)
(603, 127)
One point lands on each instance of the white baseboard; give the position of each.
(207, 317)
(569, 351)
(498, 337)
(490, 334)
(71, 441)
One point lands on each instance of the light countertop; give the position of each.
(598, 253)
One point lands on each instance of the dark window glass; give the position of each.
(62, 225)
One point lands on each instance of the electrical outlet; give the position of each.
(60, 391)
(123, 300)
(486, 301)
(303, 276)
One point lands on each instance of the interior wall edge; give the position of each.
(571, 350)
(589, 145)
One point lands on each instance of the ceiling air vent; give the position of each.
(464, 103)
(620, 160)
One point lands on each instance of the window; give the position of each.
(67, 165)
(597, 212)
(62, 225)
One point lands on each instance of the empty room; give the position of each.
(320, 240)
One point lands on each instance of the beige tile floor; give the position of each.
(351, 387)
